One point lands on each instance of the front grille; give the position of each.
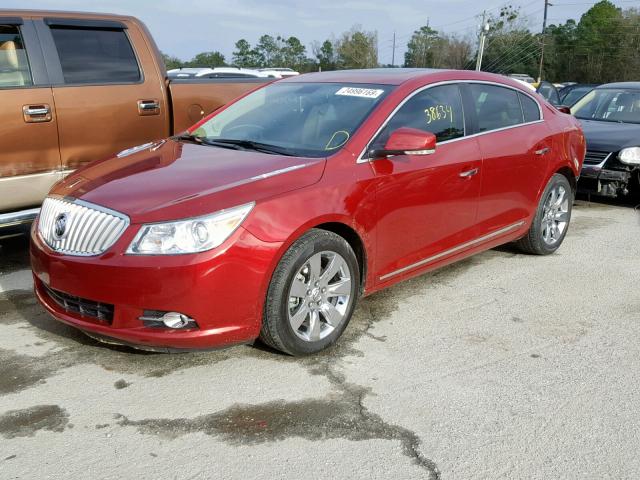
(74, 227)
(82, 306)
(595, 158)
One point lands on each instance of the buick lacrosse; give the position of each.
(272, 216)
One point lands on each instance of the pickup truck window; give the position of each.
(14, 67)
(95, 56)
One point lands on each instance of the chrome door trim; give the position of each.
(361, 158)
(453, 250)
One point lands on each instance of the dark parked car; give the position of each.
(570, 94)
(610, 116)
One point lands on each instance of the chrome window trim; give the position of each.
(458, 248)
(361, 158)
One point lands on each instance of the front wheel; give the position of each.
(312, 294)
(551, 221)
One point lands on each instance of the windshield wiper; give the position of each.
(250, 145)
(188, 137)
(235, 144)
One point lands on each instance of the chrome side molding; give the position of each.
(453, 250)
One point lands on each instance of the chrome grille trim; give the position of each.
(91, 229)
(593, 157)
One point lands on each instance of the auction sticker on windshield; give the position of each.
(360, 92)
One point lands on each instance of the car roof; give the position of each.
(399, 76)
(632, 85)
(389, 76)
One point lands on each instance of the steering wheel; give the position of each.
(249, 126)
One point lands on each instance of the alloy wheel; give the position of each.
(319, 296)
(555, 216)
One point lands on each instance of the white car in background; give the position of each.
(283, 72)
(220, 72)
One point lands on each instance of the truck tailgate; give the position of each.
(192, 99)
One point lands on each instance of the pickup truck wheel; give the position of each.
(312, 294)
(551, 221)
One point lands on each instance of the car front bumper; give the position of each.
(223, 290)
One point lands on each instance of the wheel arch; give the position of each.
(570, 176)
(355, 242)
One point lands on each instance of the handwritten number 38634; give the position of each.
(439, 112)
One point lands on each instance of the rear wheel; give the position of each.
(551, 221)
(312, 294)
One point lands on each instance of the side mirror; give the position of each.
(564, 109)
(407, 141)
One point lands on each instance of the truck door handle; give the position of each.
(36, 113)
(148, 107)
(542, 151)
(468, 173)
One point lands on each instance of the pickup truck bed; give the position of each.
(78, 87)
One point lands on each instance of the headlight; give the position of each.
(189, 236)
(630, 156)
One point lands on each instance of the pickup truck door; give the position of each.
(29, 154)
(107, 86)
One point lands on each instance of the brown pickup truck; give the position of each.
(77, 87)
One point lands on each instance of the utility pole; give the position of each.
(393, 55)
(544, 33)
(484, 29)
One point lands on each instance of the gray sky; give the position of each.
(186, 27)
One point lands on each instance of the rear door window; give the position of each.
(496, 107)
(530, 108)
(14, 65)
(437, 110)
(95, 56)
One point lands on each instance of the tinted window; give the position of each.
(496, 107)
(529, 108)
(95, 56)
(14, 67)
(437, 110)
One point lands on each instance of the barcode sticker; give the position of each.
(360, 92)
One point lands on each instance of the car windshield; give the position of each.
(303, 119)
(574, 95)
(609, 105)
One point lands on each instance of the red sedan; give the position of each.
(273, 215)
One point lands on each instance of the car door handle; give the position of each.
(542, 151)
(36, 113)
(148, 107)
(468, 173)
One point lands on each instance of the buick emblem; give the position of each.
(60, 226)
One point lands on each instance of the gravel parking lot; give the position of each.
(501, 366)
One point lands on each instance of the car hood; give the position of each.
(610, 136)
(170, 179)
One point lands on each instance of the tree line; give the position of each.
(603, 46)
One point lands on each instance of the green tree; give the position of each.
(325, 55)
(294, 53)
(357, 49)
(421, 48)
(246, 57)
(510, 46)
(270, 51)
(207, 59)
(171, 62)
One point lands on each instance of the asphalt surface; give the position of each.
(501, 366)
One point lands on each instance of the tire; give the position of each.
(552, 218)
(308, 306)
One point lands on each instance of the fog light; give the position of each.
(174, 320)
